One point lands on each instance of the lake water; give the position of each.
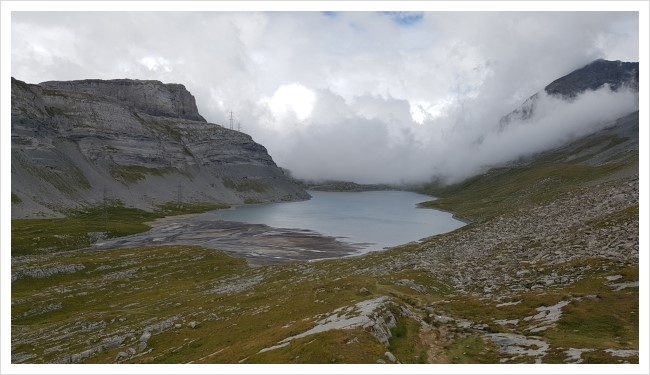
(378, 219)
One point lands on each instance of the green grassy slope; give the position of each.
(503, 189)
(544, 177)
(80, 229)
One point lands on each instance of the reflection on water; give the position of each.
(380, 218)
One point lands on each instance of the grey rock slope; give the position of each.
(593, 76)
(616, 142)
(143, 143)
(150, 97)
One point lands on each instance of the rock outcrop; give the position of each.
(142, 143)
(151, 97)
(595, 75)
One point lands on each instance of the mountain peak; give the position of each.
(596, 74)
(593, 76)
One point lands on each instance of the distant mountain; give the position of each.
(615, 74)
(349, 186)
(593, 76)
(142, 143)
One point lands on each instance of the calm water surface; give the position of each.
(379, 218)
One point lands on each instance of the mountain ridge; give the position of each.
(149, 96)
(593, 76)
(138, 143)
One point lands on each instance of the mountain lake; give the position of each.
(372, 219)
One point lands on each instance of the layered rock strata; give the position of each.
(140, 143)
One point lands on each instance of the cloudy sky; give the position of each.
(363, 96)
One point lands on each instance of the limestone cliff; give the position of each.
(151, 97)
(143, 143)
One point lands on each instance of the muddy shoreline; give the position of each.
(259, 244)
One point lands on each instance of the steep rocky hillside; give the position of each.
(140, 143)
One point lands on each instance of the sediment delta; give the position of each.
(258, 243)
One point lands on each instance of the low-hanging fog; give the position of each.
(363, 96)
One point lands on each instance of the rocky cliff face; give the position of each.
(142, 143)
(593, 76)
(150, 97)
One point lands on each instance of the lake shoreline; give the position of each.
(259, 244)
(385, 218)
(289, 235)
(453, 214)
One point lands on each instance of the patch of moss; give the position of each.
(52, 92)
(54, 111)
(609, 321)
(599, 143)
(67, 179)
(245, 185)
(325, 348)
(174, 208)
(404, 340)
(625, 215)
(472, 349)
(15, 199)
(502, 190)
(601, 356)
(133, 173)
(79, 229)
(165, 128)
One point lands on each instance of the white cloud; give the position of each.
(422, 110)
(355, 95)
(554, 123)
(292, 100)
(155, 63)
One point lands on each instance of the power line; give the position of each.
(231, 120)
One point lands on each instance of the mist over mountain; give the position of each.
(370, 97)
(468, 142)
(578, 104)
(614, 75)
(593, 76)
